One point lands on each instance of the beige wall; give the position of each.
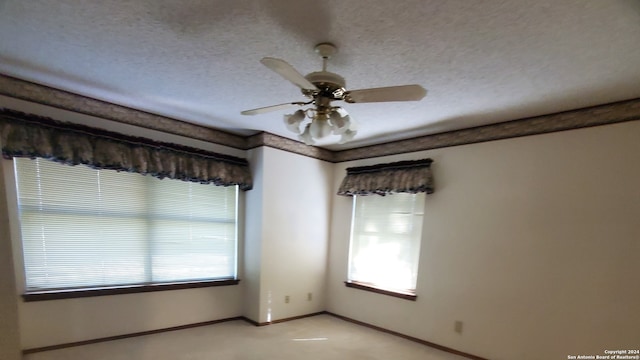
(9, 325)
(44, 323)
(254, 208)
(287, 234)
(532, 242)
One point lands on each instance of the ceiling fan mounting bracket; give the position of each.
(326, 50)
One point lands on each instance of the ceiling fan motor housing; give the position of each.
(330, 85)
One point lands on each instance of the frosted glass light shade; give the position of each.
(294, 120)
(320, 127)
(306, 136)
(340, 123)
(347, 136)
(321, 122)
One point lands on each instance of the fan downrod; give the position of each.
(330, 86)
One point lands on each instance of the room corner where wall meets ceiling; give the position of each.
(622, 111)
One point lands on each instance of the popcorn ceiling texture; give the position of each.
(198, 62)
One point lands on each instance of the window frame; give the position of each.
(84, 291)
(373, 287)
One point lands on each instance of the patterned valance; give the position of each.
(382, 179)
(27, 135)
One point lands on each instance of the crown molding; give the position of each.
(25, 90)
(617, 112)
(286, 144)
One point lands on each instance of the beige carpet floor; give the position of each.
(312, 338)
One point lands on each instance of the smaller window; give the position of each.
(385, 242)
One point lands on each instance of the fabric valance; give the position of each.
(382, 179)
(27, 135)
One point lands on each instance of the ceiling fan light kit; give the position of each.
(321, 124)
(323, 87)
(293, 121)
(340, 123)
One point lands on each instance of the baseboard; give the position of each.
(361, 323)
(126, 336)
(212, 322)
(157, 331)
(420, 341)
(282, 320)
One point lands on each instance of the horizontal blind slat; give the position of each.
(83, 227)
(385, 240)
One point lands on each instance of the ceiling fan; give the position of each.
(323, 87)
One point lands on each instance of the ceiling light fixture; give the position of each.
(322, 122)
(323, 87)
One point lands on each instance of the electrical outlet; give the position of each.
(309, 296)
(286, 299)
(457, 327)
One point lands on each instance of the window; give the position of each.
(385, 242)
(87, 228)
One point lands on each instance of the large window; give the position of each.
(87, 228)
(385, 241)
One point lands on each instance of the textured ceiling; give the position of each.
(198, 61)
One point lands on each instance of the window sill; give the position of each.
(118, 290)
(369, 287)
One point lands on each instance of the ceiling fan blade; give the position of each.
(288, 72)
(265, 109)
(390, 93)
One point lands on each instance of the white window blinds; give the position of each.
(385, 240)
(87, 228)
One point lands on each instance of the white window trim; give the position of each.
(409, 294)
